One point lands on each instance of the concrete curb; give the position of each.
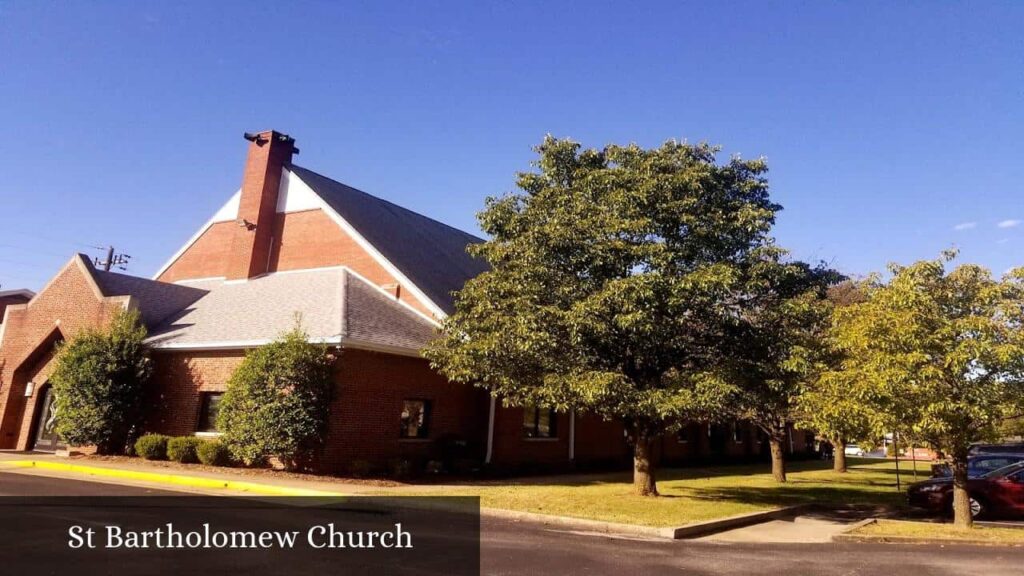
(685, 531)
(845, 533)
(848, 536)
(255, 488)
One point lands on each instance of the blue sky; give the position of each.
(886, 125)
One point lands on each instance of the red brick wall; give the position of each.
(365, 411)
(511, 447)
(206, 257)
(8, 301)
(66, 306)
(178, 380)
(307, 239)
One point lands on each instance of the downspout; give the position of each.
(490, 433)
(572, 435)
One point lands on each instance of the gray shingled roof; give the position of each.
(334, 305)
(431, 254)
(155, 300)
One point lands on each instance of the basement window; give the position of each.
(415, 419)
(208, 407)
(539, 423)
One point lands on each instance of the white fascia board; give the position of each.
(19, 292)
(232, 344)
(227, 213)
(296, 182)
(244, 344)
(384, 348)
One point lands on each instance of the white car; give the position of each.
(853, 450)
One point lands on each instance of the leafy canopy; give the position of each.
(778, 345)
(613, 274)
(99, 383)
(277, 401)
(827, 404)
(937, 354)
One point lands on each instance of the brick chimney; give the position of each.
(269, 152)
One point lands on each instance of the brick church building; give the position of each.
(363, 275)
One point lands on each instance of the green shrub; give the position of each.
(213, 453)
(183, 449)
(99, 382)
(277, 401)
(152, 447)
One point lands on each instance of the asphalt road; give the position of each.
(523, 548)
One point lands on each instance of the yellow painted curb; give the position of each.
(176, 479)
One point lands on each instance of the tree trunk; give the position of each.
(838, 455)
(961, 499)
(643, 469)
(778, 460)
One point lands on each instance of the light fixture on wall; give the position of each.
(30, 388)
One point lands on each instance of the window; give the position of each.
(539, 422)
(208, 407)
(415, 419)
(737, 432)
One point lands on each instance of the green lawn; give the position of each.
(691, 494)
(937, 531)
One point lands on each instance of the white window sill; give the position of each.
(209, 434)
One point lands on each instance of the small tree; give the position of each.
(99, 382)
(827, 405)
(277, 401)
(939, 355)
(777, 346)
(612, 274)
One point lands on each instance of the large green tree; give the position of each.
(99, 383)
(777, 347)
(938, 354)
(613, 273)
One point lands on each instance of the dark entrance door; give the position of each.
(46, 439)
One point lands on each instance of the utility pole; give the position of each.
(112, 259)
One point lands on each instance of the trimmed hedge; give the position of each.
(213, 453)
(183, 449)
(152, 447)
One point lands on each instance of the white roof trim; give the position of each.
(233, 344)
(19, 292)
(384, 348)
(245, 344)
(372, 251)
(224, 214)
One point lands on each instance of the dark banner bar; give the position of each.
(254, 536)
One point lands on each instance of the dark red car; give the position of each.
(997, 493)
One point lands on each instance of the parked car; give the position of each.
(1015, 448)
(978, 465)
(996, 493)
(853, 450)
